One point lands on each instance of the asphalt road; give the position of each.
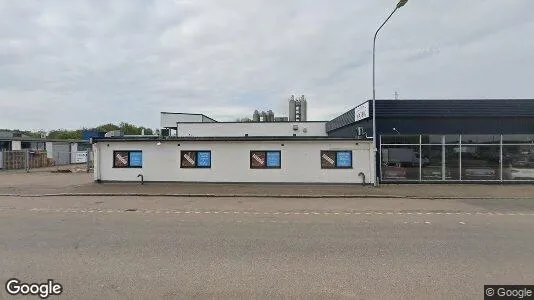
(167, 248)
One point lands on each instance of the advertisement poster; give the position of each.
(328, 159)
(188, 159)
(257, 159)
(204, 159)
(80, 157)
(273, 159)
(344, 159)
(136, 159)
(120, 159)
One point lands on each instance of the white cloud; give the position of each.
(81, 63)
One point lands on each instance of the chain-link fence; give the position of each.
(41, 160)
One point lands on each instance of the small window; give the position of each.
(336, 159)
(195, 159)
(265, 159)
(127, 159)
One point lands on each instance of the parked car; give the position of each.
(434, 173)
(478, 170)
(514, 173)
(394, 172)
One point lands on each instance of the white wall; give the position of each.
(170, 119)
(230, 162)
(16, 145)
(252, 129)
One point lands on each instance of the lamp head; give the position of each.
(401, 3)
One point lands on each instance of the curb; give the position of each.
(281, 196)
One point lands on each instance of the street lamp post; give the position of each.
(399, 5)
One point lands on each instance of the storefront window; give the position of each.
(518, 162)
(481, 139)
(481, 163)
(452, 139)
(518, 139)
(400, 162)
(452, 162)
(431, 168)
(400, 139)
(467, 157)
(431, 139)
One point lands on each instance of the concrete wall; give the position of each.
(301, 162)
(252, 129)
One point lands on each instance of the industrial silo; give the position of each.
(292, 109)
(256, 116)
(303, 109)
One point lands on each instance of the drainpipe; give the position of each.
(362, 175)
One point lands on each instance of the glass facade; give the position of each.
(457, 158)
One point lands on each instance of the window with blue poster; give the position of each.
(274, 159)
(336, 159)
(127, 159)
(136, 159)
(344, 159)
(265, 159)
(204, 159)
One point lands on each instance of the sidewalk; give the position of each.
(77, 184)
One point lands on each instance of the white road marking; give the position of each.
(463, 223)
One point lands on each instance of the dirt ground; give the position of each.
(35, 183)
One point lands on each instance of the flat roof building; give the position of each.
(417, 141)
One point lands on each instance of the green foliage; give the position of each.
(64, 134)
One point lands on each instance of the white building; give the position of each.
(203, 150)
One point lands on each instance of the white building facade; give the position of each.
(265, 152)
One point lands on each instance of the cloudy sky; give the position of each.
(67, 64)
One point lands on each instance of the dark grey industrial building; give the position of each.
(446, 140)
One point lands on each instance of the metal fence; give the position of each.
(41, 160)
